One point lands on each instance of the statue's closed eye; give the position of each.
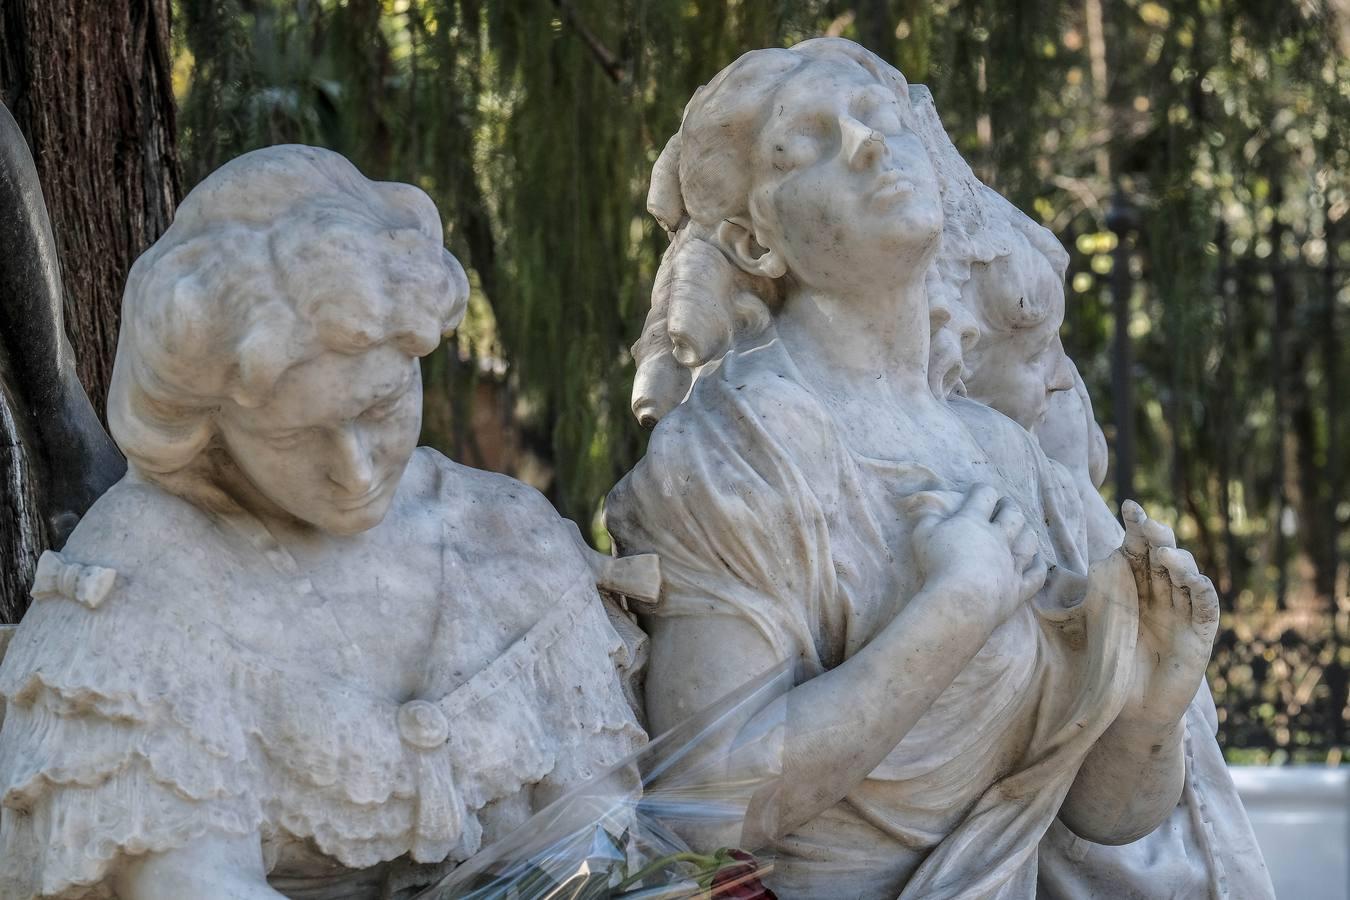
(287, 440)
(384, 409)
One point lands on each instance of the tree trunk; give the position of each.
(89, 84)
(1120, 220)
(876, 28)
(1281, 324)
(1227, 404)
(1333, 471)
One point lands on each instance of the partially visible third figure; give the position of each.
(1001, 310)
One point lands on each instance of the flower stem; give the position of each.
(697, 859)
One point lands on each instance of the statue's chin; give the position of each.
(945, 372)
(347, 522)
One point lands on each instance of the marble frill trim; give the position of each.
(159, 727)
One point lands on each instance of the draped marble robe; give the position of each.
(150, 702)
(760, 512)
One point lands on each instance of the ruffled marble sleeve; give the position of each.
(119, 734)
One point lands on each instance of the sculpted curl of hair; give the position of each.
(1039, 262)
(971, 234)
(277, 257)
(979, 226)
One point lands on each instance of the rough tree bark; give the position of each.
(89, 83)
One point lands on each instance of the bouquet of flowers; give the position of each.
(624, 834)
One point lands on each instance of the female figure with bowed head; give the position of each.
(813, 501)
(290, 654)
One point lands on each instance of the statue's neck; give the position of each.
(246, 499)
(857, 345)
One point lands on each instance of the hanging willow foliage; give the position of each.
(534, 123)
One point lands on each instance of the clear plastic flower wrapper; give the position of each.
(630, 832)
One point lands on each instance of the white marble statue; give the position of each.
(965, 676)
(290, 654)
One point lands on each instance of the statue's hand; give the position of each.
(978, 548)
(1178, 618)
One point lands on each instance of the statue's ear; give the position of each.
(736, 239)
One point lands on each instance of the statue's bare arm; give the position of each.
(1128, 785)
(821, 739)
(1131, 781)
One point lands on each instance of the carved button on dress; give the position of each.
(421, 724)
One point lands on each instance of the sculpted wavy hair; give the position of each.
(971, 233)
(701, 300)
(277, 257)
(979, 224)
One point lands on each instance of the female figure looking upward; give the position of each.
(813, 501)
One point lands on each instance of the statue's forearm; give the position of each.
(1128, 784)
(836, 728)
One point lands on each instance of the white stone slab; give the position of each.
(1301, 816)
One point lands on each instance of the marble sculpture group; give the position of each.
(292, 654)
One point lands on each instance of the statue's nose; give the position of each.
(1061, 376)
(864, 146)
(351, 468)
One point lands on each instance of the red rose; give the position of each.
(740, 880)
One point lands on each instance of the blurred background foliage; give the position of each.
(1192, 154)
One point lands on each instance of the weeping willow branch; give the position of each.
(613, 66)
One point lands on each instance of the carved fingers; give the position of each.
(1136, 544)
(1144, 538)
(1010, 519)
(1178, 619)
(1143, 533)
(1178, 615)
(928, 505)
(980, 543)
(1031, 562)
(1192, 594)
(926, 509)
(1025, 547)
(980, 502)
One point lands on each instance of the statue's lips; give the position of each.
(352, 504)
(892, 186)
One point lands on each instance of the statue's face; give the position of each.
(331, 443)
(953, 333)
(1016, 369)
(844, 189)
